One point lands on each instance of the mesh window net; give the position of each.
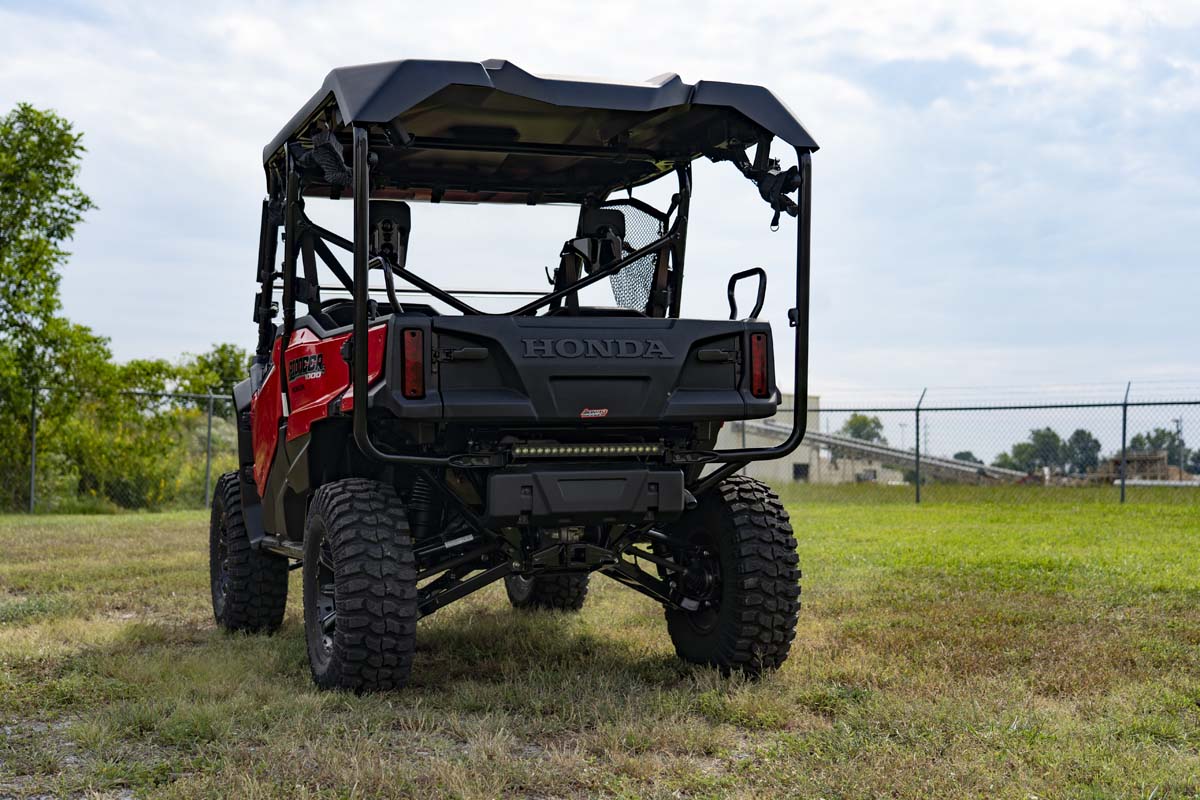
(631, 286)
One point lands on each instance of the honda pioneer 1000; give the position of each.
(409, 453)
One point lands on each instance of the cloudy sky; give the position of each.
(1005, 195)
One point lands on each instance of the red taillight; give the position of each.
(758, 365)
(413, 378)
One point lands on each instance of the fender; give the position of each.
(251, 503)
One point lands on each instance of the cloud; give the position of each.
(1005, 192)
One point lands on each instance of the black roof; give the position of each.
(489, 131)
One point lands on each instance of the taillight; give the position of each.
(758, 365)
(412, 382)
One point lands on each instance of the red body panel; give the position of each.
(318, 375)
(311, 394)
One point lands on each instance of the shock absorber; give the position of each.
(424, 509)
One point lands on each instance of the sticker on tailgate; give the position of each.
(593, 413)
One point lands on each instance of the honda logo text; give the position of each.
(594, 348)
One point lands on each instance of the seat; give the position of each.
(339, 312)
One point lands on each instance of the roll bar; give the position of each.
(359, 368)
(731, 460)
(734, 459)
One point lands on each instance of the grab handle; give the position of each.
(762, 290)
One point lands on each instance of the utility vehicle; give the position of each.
(406, 448)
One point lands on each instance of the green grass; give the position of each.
(1044, 649)
(935, 493)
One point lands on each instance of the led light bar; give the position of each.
(560, 450)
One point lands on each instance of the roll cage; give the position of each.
(391, 159)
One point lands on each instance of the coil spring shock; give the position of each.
(423, 506)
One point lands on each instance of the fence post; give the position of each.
(1124, 434)
(33, 450)
(918, 451)
(208, 456)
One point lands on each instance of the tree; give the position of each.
(1194, 463)
(40, 205)
(860, 426)
(1048, 449)
(1161, 439)
(216, 371)
(105, 437)
(1045, 448)
(1082, 451)
(1021, 458)
(65, 362)
(967, 455)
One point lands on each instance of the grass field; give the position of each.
(1041, 650)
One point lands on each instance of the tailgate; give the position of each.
(596, 369)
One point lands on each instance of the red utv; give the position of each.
(407, 448)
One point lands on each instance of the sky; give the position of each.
(1006, 195)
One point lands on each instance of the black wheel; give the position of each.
(741, 592)
(249, 587)
(360, 587)
(557, 592)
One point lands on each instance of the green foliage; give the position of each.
(40, 205)
(39, 208)
(1082, 451)
(104, 440)
(114, 443)
(1046, 449)
(1010, 460)
(860, 426)
(65, 361)
(99, 445)
(216, 371)
(967, 455)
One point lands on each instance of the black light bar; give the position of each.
(567, 450)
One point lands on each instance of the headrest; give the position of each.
(607, 226)
(600, 221)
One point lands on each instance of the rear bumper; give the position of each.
(548, 497)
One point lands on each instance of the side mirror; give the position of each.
(390, 221)
(762, 290)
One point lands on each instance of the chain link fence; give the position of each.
(165, 451)
(1128, 450)
(133, 451)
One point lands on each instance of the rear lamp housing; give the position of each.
(412, 379)
(759, 385)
